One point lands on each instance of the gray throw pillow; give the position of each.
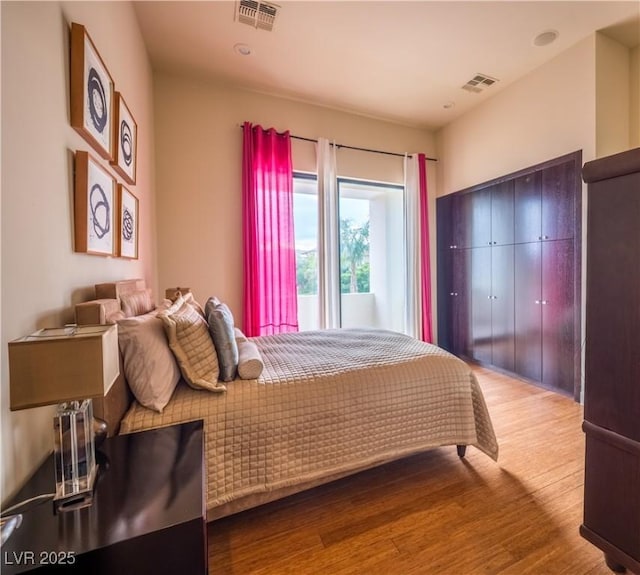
(221, 328)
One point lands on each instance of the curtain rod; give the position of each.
(354, 147)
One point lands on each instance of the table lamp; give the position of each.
(68, 366)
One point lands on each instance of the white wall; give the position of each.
(612, 96)
(199, 155)
(41, 275)
(548, 113)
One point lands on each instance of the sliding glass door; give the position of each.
(371, 253)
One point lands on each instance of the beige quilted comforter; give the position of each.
(329, 403)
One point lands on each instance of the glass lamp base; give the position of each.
(74, 453)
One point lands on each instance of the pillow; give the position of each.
(149, 365)
(250, 364)
(191, 343)
(136, 302)
(239, 335)
(220, 320)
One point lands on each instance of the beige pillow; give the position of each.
(189, 339)
(250, 364)
(137, 302)
(149, 365)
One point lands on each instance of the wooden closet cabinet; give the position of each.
(612, 360)
(509, 273)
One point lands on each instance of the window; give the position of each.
(371, 253)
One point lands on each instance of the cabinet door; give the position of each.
(461, 214)
(481, 304)
(460, 302)
(502, 307)
(528, 208)
(444, 235)
(558, 201)
(612, 364)
(502, 207)
(558, 315)
(528, 310)
(481, 218)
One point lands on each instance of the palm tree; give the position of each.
(354, 248)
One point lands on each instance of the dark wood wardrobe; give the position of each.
(509, 273)
(612, 360)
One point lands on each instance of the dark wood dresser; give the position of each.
(612, 360)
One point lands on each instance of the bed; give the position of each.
(328, 404)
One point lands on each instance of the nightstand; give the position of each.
(148, 513)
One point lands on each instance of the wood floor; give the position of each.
(435, 513)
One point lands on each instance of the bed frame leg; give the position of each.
(462, 449)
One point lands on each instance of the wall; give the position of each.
(41, 275)
(612, 96)
(199, 176)
(634, 97)
(548, 113)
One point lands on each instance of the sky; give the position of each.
(305, 213)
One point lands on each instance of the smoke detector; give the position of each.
(478, 83)
(256, 13)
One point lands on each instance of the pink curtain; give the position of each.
(270, 293)
(427, 334)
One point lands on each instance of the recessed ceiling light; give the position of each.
(242, 49)
(546, 37)
(449, 105)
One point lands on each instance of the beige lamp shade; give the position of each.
(62, 364)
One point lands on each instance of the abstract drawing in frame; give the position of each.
(125, 140)
(92, 92)
(127, 224)
(94, 207)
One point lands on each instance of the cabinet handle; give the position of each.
(453, 293)
(545, 237)
(544, 302)
(452, 247)
(539, 237)
(537, 302)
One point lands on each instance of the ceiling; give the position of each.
(393, 60)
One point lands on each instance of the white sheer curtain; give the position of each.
(418, 316)
(328, 236)
(412, 248)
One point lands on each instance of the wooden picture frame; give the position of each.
(128, 216)
(125, 140)
(94, 207)
(92, 90)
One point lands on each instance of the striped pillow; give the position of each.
(136, 302)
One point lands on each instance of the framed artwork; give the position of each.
(94, 203)
(127, 224)
(125, 140)
(91, 93)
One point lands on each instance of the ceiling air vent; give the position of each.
(257, 14)
(478, 83)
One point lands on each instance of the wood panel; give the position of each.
(528, 208)
(502, 214)
(435, 513)
(613, 309)
(481, 332)
(528, 311)
(481, 217)
(460, 302)
(558, 315)
(558, 201)
(502, 307)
